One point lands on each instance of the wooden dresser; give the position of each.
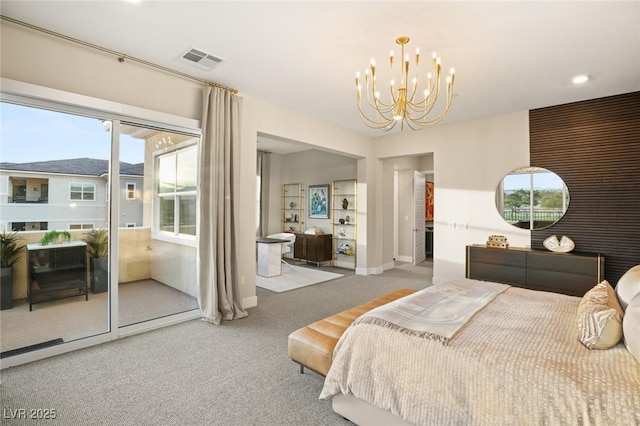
(568, 273)
(313, 248)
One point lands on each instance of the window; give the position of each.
(18, 226)
(131, 191)
(81, 226)
(82, 191)
(28, 226)
(177, 190)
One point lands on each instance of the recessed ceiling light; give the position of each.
(579, 79)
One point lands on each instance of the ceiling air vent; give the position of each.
(200, 59)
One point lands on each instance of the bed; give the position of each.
(517, 360)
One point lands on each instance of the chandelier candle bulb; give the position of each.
(406, 105)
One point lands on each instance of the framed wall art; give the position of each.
(319, 201)
(428, 201)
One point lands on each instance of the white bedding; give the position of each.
(518, 361)
(437, 312)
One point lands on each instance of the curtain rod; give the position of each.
(121, 56)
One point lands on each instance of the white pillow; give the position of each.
(631, 327)
(628, 286)
(600, 318)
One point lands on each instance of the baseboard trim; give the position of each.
(250, 302)
(369, 271)
(389, 265)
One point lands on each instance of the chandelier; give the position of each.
(405, 105)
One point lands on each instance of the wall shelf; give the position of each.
(344, 222)
(292, 215)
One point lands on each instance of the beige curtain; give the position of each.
(218, 278)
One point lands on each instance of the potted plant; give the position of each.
(97, 241)
(53, 237)
(9, 254)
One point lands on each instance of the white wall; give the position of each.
(470, 158)
(67, 66)
(311, 167)
(261, 117)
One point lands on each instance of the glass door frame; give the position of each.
(30, 95)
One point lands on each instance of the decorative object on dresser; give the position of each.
(563, 245)
(568, 273)
(497, 241)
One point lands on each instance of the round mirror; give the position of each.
(532, 198)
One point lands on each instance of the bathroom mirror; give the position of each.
(532, 198)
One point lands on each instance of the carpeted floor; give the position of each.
(195, 373)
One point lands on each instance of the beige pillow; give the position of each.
(631, 327)
(600, 317)
(628, 286)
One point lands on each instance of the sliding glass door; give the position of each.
(157, 229)
(54, 175)
(103, 213)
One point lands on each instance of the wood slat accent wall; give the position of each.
(594, 146)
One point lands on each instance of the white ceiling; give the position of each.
(303, 55)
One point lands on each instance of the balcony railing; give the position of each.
(21, 199)
(523, 214)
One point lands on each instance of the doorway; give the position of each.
(413, 207)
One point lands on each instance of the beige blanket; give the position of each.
(517, 362)
(437, 312)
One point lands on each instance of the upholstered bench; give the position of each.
(312, 346)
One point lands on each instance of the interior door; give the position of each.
(419, 252)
